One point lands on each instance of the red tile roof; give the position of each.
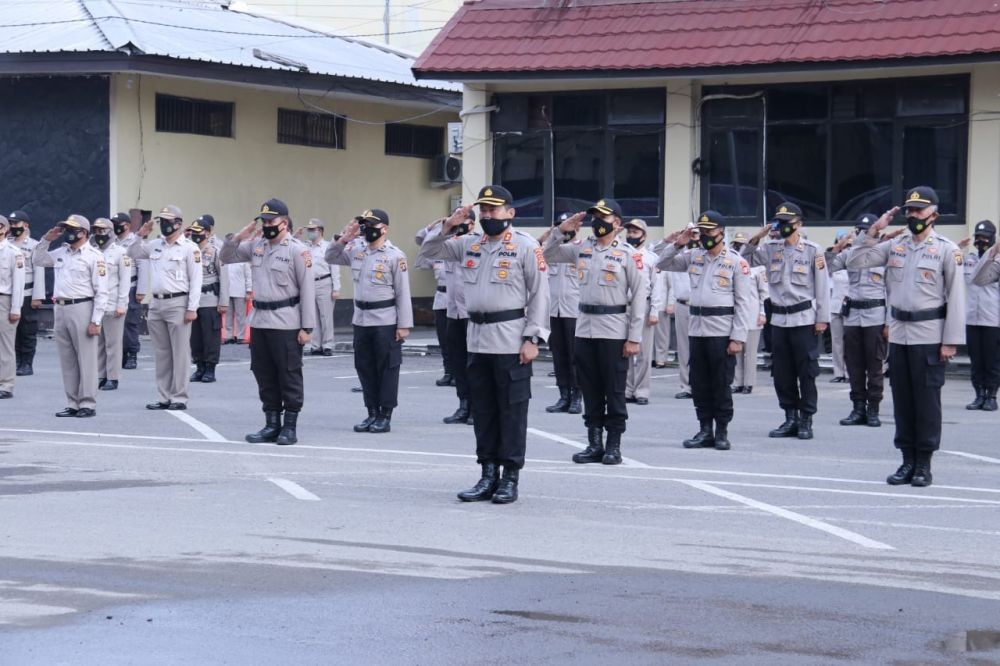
(542, 37)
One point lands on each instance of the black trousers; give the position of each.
(601, 370)
(206, 336)
(276, 363)
(864, 355)
(458, 355)
(766, 334)
(795, 366)
(712, 373)
(502, 389)
(377, 357)
(26, 337)
(441, 328)
(917, 375)
(133, 316)
(562, 340)
(983, 343)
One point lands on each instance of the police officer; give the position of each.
(746, 360)
(12, 265)
(865, 346)
(206, 331)
(507, 296)
(240, 293)
(661, 343)
(640, 374)
(383, 312)
(282, 319)
(327, 289)
(564, 306)
(609, 328)
(81, 297)
(982, 319)
(679, 307)
(207, 223)
(839, 285)
(722, 307)
(175, 280)
(119, 269)
(139, 287)
(439, 307)
(799, 286)
(26, 338)
(926, 295)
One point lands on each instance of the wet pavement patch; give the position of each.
(975, 640)
(543, 617)
(76, 486)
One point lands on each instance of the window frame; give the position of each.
(413, 128)
(229, 107)
(339, 129)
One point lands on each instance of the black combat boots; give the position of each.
(594, 453)
(367, 423)
(613, 449)
(575, 401)
(461, 414)
(922, 469)
(287, 435)
(805, 427)
(383, 421)
(871, 415)
(980, 398)
(198, 373)
(507, 488)
(722, 437)
(704, 438)
(270, 431)
(790, 428)
(905, 472)
(486, 486)
(990, 403)
(858, 415)
(562, 404)
(208, 374)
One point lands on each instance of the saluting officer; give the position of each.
(81, 297)
(926, 295)
(175, 280)
(507, 297)
(982, 321)
(327, 288)
(746, 360)
(799, 285)
(439, 306)
(564, 306)
(139, 287)
(206, 331)
(12, 266)
(640, 368)
(609, 329)
(282, 319)
(722, 306)
(865, 346)
(383, 312)
(26, 338)
(119, 268)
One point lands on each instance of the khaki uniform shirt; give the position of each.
(214, 278)
(758, 279)
(379, 274)
(864, 284)
(80, 273)
(440, 273)
(795, 273)
(34, 276)
(918, 276)
(12, 265)
(320, 265)
(119, 266)
(609, 275)
(982, 302)
(508, 273)
(173, 267)
(656, 287)
(140, 267)
(279, 272)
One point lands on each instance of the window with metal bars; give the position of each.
(194, 116)
(414, 140)
(302, 128)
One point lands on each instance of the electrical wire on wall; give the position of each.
(142, 140)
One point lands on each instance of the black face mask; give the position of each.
(120, 229)
(601, 228)
(102, 240)
(983, 244)
(15, 232)
(786, 229)
(462, 229)
(372, 234)
(168, 227)
(493, 227)
(198, 238)
(708, 242)
(270, 231)
(635, 242)
(692, 244)
(70, 236)
(918, 226)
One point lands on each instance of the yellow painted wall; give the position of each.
(230, 178)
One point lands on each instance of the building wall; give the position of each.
(231, 177)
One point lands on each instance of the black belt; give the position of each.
(375, 305)
(496, 317)
(210, 289)
(73, 301)
(134, 279)
(276, 305)
(719, 311)
(791, 309)
(442, 290)
(603, 309)
(173, 295)
(323, 277)
(865, 305)
(683, 301)
(920, 315)
(29, 284)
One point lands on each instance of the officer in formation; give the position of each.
(282, 319)
(439, 307)
(661, 339)
(839, 285)
(982, 321)
(327, 288)
(564, 304)
(26, 338)
(609, 328)
(722, 308)
(206, 330)
(139, 281)
(119, 268)
(80, 293)
(679, 306)
(507, 296)
(175, 281)
(746, 360)
(240, 296)
(12, 290)
(207, 223)
(865, 346)
(799, 286)
(640, 373)
(383, 313)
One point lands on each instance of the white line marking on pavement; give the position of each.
(853, 537)
(900, 495)
(577, 445)
(973, 456)
(144, 447)
(294, 489)
(209, 434)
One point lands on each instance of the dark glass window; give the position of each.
(733, 171)
(413, 140)
(860, 169)
(194, 116)
(637, 174)
(578, 163)
(310, 129)
(934, 154)
(796, 168)
(521, 169)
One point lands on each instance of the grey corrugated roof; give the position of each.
(196, 30)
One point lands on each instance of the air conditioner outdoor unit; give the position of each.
(446, 171)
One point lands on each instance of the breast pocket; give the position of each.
(695, 274)
(775, 274)
(470, 270)
(280, 273)
(582, 270)
(379, 275)
(800, 276)
(504, 271)
(722, 279)
(928, 271)
(610, 271)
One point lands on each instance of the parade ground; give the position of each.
(141, 537)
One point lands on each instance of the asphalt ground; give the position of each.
(141, 537)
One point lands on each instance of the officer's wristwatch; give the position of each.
(533, 339)
(307, 330)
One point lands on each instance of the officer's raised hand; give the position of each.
(681, 238)
(460, 215)
(351, 231)
(53, 234)
(145, 229)
(965, 242)
(246, 232)
(572, 223)
(882, 222)
(630, 349)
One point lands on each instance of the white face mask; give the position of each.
(312, 235)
